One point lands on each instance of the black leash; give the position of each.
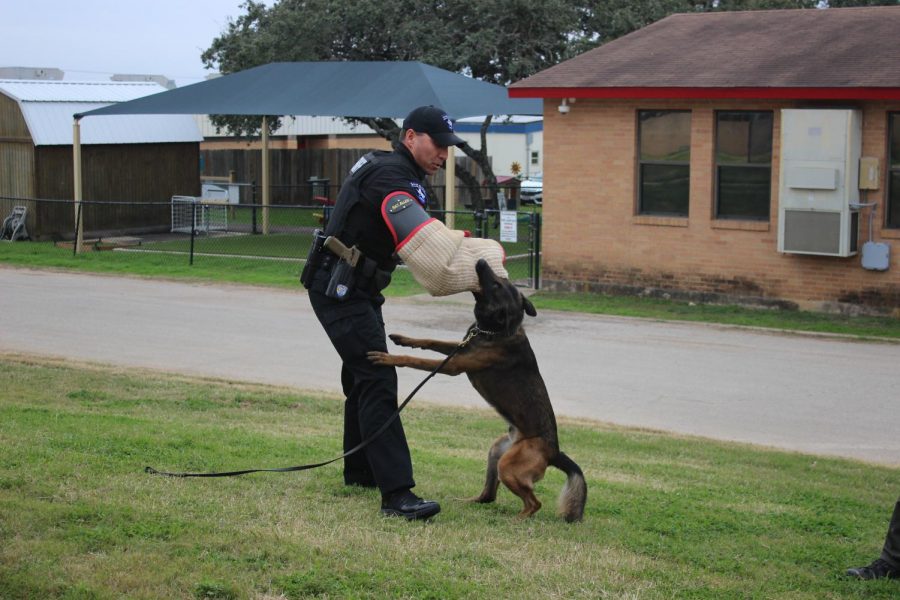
(474, 330)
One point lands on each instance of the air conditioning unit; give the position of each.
(817, 189)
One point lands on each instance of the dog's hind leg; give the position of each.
(492, 478)
(521, 467)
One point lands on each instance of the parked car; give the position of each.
(531, 190)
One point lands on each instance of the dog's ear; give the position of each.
(529, 307)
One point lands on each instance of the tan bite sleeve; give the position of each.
(443, 260)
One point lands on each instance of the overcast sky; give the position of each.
(93, 39)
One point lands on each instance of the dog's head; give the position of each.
(499, 305)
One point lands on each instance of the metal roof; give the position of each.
(333, 88)
(48, 108)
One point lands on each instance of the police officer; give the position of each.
(379, 208)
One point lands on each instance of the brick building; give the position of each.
(717, 156)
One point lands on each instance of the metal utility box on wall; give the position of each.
(820, 151)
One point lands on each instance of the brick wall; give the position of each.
(593, 238)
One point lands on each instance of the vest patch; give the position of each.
(358, 164)
(420, 192)
(403, 215)
(398, 203)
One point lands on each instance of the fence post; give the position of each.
(77, 242)
(536, 218)
(253, 199)
(193, 230)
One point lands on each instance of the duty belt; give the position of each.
(342, 270)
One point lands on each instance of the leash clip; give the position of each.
(475, 330)
(472, 333)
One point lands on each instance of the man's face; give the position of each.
(425, 151)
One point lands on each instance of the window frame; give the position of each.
(748, 165)
(892, 172)
(640, 209)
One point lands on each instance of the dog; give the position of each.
(500, 364)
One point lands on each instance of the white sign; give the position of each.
(508, 226)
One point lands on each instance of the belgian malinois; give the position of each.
(501, 365)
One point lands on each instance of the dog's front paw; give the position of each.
(402, 340)
(380, 358)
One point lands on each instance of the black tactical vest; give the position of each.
(356, 219)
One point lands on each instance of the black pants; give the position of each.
(354, 327)
(891, 551)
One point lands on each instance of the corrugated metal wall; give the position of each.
(288, 168)
(124, 174)
(120, 173)
(294, 168)
(16, 159)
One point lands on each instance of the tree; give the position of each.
(499, 41)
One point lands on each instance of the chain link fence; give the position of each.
(191, 230)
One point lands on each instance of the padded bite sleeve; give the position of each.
(443, 260)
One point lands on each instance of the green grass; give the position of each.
(667, 516)
(794, 320)
(172, 265)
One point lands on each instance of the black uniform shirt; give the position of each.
(365, 226)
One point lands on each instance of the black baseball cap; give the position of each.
(435, 122)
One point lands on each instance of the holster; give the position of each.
(343, 277)
(314, 259)
(366, 277)
(342, 281)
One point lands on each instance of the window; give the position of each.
(664, 157)
(893, 191)
(743, 164)
(535, 157)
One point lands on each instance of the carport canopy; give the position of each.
(332, 89)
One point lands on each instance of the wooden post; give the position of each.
(450, 188)
(265, 175)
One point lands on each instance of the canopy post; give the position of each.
(265, 175)
(450, 188)
(77, 184)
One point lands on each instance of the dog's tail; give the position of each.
(574, 494)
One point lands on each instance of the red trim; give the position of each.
(742, 93)
(413, 233)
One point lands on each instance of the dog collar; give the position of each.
(473, 331)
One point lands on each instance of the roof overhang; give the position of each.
(683, 93)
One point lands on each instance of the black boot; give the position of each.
(405, 504)
(880, 569)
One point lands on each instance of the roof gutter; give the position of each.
(738, 93)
